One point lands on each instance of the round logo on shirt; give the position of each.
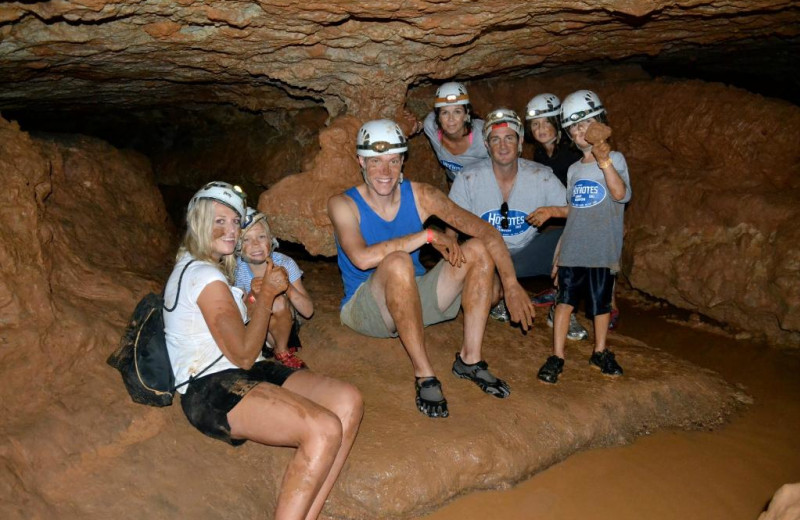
(587, 193)
(453, 167)
(516, 222)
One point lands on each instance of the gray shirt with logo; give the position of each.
(593, 234)
(476, 190)
(453, 164)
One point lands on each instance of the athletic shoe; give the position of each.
(576, 332)
(499, 312)
(545, 298)
(550, 370)
(479, 374)
(606, 363)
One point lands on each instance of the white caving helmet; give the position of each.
(452, 93)
(224, 193)
(254, 217)
(380, 137)
(503, 117)
(579, 106)
(543, 105)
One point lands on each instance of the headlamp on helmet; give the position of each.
(503, 117)
(452, 93)
(380, 137)
(543, 105)
(579, 106)
(224, 193)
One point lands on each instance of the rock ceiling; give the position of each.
(346, 55)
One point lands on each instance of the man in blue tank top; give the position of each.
(379, 231)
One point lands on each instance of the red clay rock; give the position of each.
(597, 132)
(712, 224)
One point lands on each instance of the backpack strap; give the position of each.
(177, 294)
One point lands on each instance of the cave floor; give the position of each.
(90, 454)
(727, 474)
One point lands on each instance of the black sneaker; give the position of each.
(550, 370)
(606, 363)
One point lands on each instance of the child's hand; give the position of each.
(596, 135)
(538, 217)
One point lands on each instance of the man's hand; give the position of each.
(448, 246)
(519, 305)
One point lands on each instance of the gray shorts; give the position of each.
(362, 314)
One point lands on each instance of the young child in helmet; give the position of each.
(598, 187)
(454, 131)
(256, 245)
(552, 148)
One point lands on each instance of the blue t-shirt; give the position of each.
(375, 230)
(244, 275)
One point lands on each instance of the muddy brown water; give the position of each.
(727, 474)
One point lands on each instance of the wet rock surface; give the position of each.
(74, 446)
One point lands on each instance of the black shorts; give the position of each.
(596, 284)
(208, 399)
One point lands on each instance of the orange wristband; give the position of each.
(429, 237)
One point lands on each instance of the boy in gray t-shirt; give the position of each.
(598, 187)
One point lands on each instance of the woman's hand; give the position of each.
(276, 279)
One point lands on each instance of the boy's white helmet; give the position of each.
(224, 193)
(543, 105)
(252, 218)
(452, 93)
(579, 106)
(503, 117)
(380, 137)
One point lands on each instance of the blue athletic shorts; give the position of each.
(595, 284)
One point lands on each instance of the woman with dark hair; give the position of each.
(550, 146)
(235, 394)
(451, 129)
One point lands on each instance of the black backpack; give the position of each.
(142, 356)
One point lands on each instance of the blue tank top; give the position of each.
(375, 230)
